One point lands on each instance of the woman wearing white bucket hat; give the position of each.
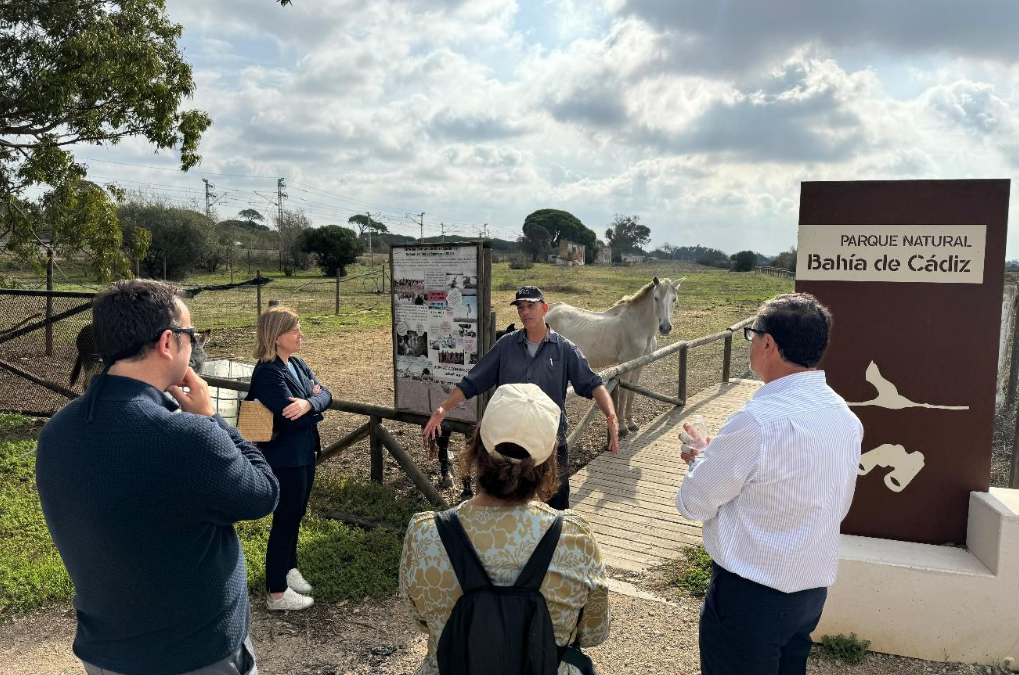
(513, 457)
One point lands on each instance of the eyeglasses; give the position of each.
(189, 331)
(748, 333)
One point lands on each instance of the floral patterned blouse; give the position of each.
(504, 538)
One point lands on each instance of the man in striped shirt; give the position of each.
(772, 488)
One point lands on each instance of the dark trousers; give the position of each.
(281, 552)
(750, 629)
(561, 499)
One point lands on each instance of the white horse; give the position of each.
(623, 332)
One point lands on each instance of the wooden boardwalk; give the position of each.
(629, 499)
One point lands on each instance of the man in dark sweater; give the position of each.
(141, 502)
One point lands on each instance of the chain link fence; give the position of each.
(39, 328)
(38, 331)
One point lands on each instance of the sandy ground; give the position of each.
(378, 637)
(648, 637)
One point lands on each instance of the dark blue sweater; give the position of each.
(141, 504)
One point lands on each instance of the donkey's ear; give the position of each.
(677, 283)
(204, 335)
(655, 281)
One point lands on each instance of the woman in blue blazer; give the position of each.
(286, 386)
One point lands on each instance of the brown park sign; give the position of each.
(913, 273)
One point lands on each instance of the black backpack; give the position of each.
(499, 630)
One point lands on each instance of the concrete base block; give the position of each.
(935, 602)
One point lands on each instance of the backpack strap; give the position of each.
(470, 573)
(537, 566)
(578, 659)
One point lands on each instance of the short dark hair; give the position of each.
(800, 326)
(131, 314)
(510, 480)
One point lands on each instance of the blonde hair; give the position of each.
(274, 322)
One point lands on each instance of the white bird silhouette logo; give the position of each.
(888, 395)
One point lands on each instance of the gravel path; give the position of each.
(648, 638)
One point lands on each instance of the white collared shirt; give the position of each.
(776, 482)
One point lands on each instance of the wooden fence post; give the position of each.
(336, 311)
(407, 464)
(1013, 372)
(727, 358)
(614, 389)
(1013, 473)
(377, 465)
(258, 291)
(49, 301)
(681, 385)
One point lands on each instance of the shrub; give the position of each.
(181, 238)
(851, 650)
(744, 261)
(519, 261)
(696, 576)
(334, 246)
(689, 575)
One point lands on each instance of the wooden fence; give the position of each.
(380, 438)
(775, 272)
(613, 380)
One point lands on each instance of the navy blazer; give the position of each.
(294, 442)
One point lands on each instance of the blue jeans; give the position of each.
(750, 629)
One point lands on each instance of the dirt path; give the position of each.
(648, 638)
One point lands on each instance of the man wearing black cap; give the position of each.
(536, 354)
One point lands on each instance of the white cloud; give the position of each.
(739, 36)
(703, 118)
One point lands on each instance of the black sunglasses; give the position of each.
(748, 333)
(189, 331)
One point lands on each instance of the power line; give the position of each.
(389, 215)
(165, 168)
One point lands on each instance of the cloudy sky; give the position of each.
(700, 117)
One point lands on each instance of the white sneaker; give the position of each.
(290, 600)
(298, 582)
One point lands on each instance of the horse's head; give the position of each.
(665, 301)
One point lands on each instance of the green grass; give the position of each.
(851, 650)
(31, 572)
(709, 300)
(341, 561)
(688, 576)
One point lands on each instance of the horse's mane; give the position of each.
(638, 296)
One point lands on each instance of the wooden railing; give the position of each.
(380, 438)
(775, 272)
(611, 376)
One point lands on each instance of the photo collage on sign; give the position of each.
(435, 319)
